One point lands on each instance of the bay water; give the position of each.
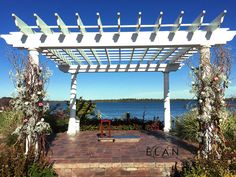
(138, 109)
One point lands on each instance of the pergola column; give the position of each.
(167, 116)
(73, 126)
(34, 56)
(34, 59)
(206, 110)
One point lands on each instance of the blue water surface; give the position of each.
(150, 109)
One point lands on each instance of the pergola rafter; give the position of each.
(139, 47)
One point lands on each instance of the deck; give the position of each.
(155, 150)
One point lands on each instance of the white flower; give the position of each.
(200, 101)
(26, 103)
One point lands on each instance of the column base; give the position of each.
(72, 127)
(77, 126)
(166, 130)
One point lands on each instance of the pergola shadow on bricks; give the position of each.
(158, 47)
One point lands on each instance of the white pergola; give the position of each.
(80, 48)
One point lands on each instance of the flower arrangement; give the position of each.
(30, 81)
(209, 84)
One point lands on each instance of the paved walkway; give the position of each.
(83, 151)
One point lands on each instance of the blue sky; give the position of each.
(113, 85)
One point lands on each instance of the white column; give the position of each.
(72, 128)
(167, 117)
(34, 56)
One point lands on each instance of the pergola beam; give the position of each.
(177, 57)
(177, 23)
(118, 22)
(216, 22)
(108, 57)
(60, 56)
(139, 21)
(99, 23)
(73, 56)
(143, 55)
(44, 28)
(96, 56)
(80, 24)
(158, 23)
(197, 22)
(167, 55)
(125, 40)
(22, 26)
(154, 56)
(61, 25)
(119, 55)
(132, 55)
(163, 67)
(85, 57)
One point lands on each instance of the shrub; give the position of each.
(13, 162)
(58, 121)
(207, 168)
(9, 120)
(187, 126)
(228, 127)
(39, 170)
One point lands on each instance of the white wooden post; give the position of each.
(167, 117)
(205, 63)
(34, 59)
(34, 54)
(72, 128)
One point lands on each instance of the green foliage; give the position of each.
(58, 121)
(9, 120)
(187, 126)
(207, 168)
(13, 162)
(84, 108)
(229, 127)
(37, 170)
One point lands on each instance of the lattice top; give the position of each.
(119, 48)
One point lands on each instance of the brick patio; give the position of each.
(83, 155)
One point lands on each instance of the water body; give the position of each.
(138, 109)
(151, 109)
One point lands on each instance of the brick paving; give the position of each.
(84, 154)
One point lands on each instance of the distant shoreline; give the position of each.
(137, 100)
(3, 99)
(126, 100)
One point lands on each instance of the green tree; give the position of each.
(84, 108)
